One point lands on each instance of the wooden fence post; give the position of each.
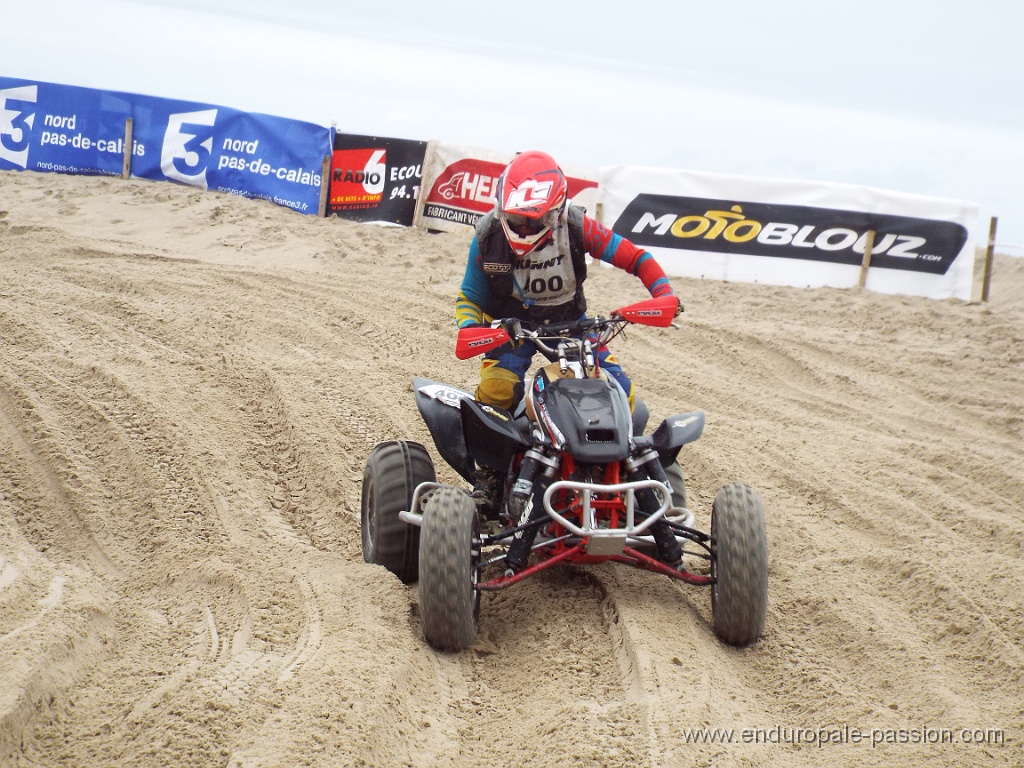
(126, 169)
(325, 185)
(869, 243)
(986, 280)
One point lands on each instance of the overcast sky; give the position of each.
(919, 96)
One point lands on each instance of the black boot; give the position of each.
(669, 551)
(487, 493)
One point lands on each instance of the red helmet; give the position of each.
(531, 197)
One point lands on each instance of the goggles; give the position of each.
(525, 226)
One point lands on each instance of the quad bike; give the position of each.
(582, 485)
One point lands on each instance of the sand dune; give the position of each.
(189, 387)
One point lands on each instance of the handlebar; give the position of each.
(473, 341)
(547, 337)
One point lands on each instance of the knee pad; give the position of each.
(499, 388)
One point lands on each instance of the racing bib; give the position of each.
(546, 280)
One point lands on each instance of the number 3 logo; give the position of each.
(185, 155)
(16, 125)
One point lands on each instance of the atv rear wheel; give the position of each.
(739, 565)
(393, 470)
(449, 599)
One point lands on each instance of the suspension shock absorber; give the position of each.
(522, 489)
(537, 473)
(641, 467)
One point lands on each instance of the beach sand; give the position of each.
(190, 384)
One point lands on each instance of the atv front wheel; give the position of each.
(739, 565)
(393, 470)
(449, 599)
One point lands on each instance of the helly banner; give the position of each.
(795, 233)
(460, 184)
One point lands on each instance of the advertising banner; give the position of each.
(47, 127)
(224, 150)
(375, 179)
(793, 233)
(461, 183)
(61, 128)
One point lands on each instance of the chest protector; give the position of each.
(544, 285)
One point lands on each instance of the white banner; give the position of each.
(783, 232)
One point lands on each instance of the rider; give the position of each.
(527, 261)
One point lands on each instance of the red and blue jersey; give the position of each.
(547, 282)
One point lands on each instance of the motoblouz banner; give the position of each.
(375, 179)
(47, 127)
(794, 233)
(461, 184)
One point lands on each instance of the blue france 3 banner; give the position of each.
(67, 129)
